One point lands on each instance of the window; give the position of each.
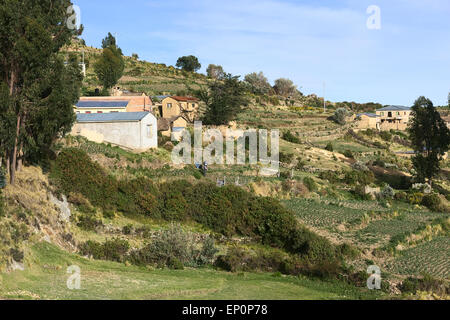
(169, 106)
(193, 105)
(88, 112)
(382, 114)
(99, 111)
(150, 131)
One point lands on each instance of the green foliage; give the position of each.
(340, 116)
(74, 172)
(229, 210)
(355, 177)
(310, 184)
(286, 157)
(288, 136)
(258, 83)
(89, 223)
(329, 147)
(285, 87)
(430, 138)
(109, 41)
(112, 250)
(174, 248)
(109, 67)
(386, 136)
(2, 178)
(433, 202)
(224, 100)
(189, 63)
(37, 90)
(349, 154)
(416, 198)
(215, 72)
(425, 284)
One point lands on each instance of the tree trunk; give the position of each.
(13, 164)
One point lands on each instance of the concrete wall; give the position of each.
(138, 136)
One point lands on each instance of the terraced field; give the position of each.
(431, 257)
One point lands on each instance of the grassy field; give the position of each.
(45, 277)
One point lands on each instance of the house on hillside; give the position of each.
(367, 121)
(136, 131)
(175, 125)
(175, 106)
(393, 117)
(125, 103)
(101, 106)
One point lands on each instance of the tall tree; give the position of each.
(109, 41)
(285, 87)
(109, 67)
(189, 63)
(31, 36)
(430, 138)
(215, 71)
(224, 100)
(258, 83)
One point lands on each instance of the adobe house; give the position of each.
(179, 106)
(174, 125)
(133, 104)
(135, 131)
(393, 117)
(367, 121)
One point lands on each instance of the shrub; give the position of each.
(416, 198)
(340, 116)
(112, 250)
(310, 184)
(359, 166)
(358, 177)
(73, 171)
(388, 192)
(286, 157)
(89, 223)
(288, 136)
(349, 154)
(329, 147)
(427, 284)
(300, 164)
(432, 202)
(386, 136)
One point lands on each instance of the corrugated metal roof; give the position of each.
(395, 108)
(112, 117)
(102, 104)
(371, 115)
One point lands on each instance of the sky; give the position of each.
(325, 47)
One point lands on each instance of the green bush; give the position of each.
(358, 178)
(286, 157)
(329, 147)
(310, 184)
(427, 284)
(432, 202)
(112, 250)
(74, 172)
(289, 137)
(416, 198)
(386, 136)
(89, 223)
(229, 210)
(349, 154)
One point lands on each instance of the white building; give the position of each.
(131, 130)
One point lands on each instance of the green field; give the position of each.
(45, 277)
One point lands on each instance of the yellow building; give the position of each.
(178, 106)
(367, 121)
(394, 117)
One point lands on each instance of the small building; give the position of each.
(393, 117)
(124, 103)
(367, 121)
(175, 125)
(100, 106)
(179, 106)
(136, 131)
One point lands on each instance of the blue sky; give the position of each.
(308, 41)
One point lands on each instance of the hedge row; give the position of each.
(229, 210)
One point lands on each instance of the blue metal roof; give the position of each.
(102, 104)
(395, 108)
(111, 117)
